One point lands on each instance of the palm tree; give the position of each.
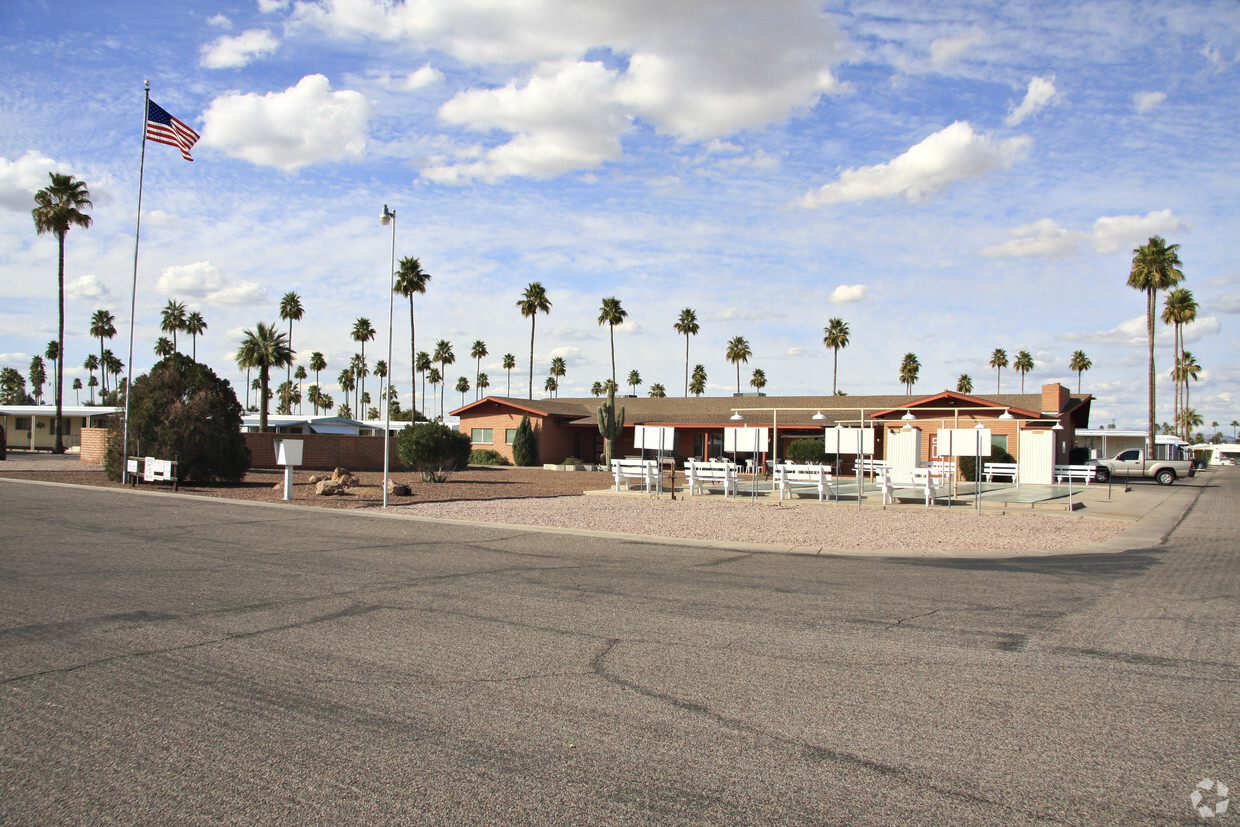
(509, 363)
(559, 369)
(195, 326)
(462, 387)
(360, 372)
(57, 208)
(697, 385)
(77, 387)
(423, 363)
(434, 377)
(477, 351)
(381, 372)
(596, 390)
(657, 391)
(1234, 425)
(317, 363)
(612, 314)
(998, 361)
(687, 325)
(738, 351)
(1179, 310)
(1022, 365)
(444, 356)
(533, 301)
(1155, 266)
(347, 382)
(1079, 363)
(909, 370)
(114, 366)
(173, 319)
(835, 337)
(1188, 369)
(326, 402)
(483, 382)
(363, 332)
(964, 384)
(164, 347)
(300, 375)
(264, 348)
(635, 379)
(92, 364)
(291, 311)
(52, 352)
(285, 394)
(38, 378)
(550, 385)
(102, 326)
(411, 279)
(758, 381)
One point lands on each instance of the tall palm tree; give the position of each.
(1180, 309)
(444, 356)
(964, 384)
(533, 301)
(91, 364)
(113, 365)
(381, 372)
(38, 378)
(462, 387)
(423, 363)
(657, 391)
(550, 385)
(697, 385)
(348, 383)
(483, 382)
(291, 311)
(910, 368)
(610, 313)
(300, 375)
(758, 381)
(738, 351)
(77, 386)
(596, 389)
(264, 348)
(173, 319)
(1234, 425)
(1022, 365)
(102, 326)
(635, 379)
(835, 336)
(317, 363)
(164, 347)
(1079, 363)
(363, 332)
(57, 208)
(998, 361)
(411, 279)
(509, 363)
(195, 326)
(477, 351)
(360, 372)
(434, 377)
(1188, 369)
(1155, 267)
(559, 369)
(52, 352)
(687, 325)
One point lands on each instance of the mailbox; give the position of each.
(288, 451)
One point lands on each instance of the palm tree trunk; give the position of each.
(532, 322)
(612, 330)
(264, 378)
(413, 360)
(60, 339)
(686, 366)
(1149, 328)
(835, 368)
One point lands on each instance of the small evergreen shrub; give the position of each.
(433, 450)
(572, 461)
(524, 448)
(807, 451)
(997, 454)
(486, 456)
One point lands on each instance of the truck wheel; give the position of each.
(1102, 474)
(1166, 476)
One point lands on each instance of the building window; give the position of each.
(999, 441)
(21, 423)
(510, 435)
(481, 436)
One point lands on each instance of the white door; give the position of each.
(1037, 457)
(904, 448)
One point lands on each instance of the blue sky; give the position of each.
(947, 178)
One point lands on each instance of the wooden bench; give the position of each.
(918, 480)
(712, 474)
(1075, 472)
(791, 477)
(646, 470)
(999, 469)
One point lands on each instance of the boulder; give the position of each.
(314, 478)
(327, 488)
(397, 489)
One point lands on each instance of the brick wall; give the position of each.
(325, 451)
(94, 445)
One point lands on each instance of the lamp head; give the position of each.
(818, 417)
(736, 417)
(386, 216)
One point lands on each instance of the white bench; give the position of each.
(914, 479)
(646, 470)
(1074, 472)
(942, 468)
(999, 469)
(712, 474)
(873, 467)
(791, 476)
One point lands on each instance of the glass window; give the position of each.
(21, 423)
(510, 435)
(999, 441)
(481, 436)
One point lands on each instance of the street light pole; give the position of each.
(386, 217)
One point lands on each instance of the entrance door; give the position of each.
(904, 448)
(1037, 457)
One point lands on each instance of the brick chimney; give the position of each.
(1054, 397)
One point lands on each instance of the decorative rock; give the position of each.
(314, 478)
(327, 488)
(397, 489)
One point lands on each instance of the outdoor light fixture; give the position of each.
(385, 218)
(908, 416)
(736, 417)
(818, 417)
(1058, 426)
(979, 426)
(1007, 414)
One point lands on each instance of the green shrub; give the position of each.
(572, 461)
(997, 454)
(486, 456)
(811, 451)
(433, 450)
(524, 448)
(182, 411)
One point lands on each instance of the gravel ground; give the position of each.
(536, 497)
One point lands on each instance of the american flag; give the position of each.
(165, 129)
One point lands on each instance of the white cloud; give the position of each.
(1117, 232)
(948, 155)
(848, 293)
(87, 287)
(421, 78)
(219, 21)
(244, 292)
(1041, 92)
(1145, 101)
(948, 51)
(197, 279)
(238, 51)
(793, 352)
(1041, 238)
(1131, 332)
(268, 6)
(736, 314)
(570, 355)
(1202, 327)
(21, 179)
(302, 125)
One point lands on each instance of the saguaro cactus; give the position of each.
(610, 424)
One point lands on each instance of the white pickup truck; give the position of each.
(1132, 463)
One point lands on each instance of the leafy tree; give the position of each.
(509, 363)
(964, 384)
(835, 336)
(181, 410)
(1079, 363)
(264, 348)
(173, 319)
(291, 310)
(758, 381)
(533, 301)
(477, 350)
(59, 207)
(910, 368)
(363, 332)
(687, 325)
(1022, 365)
(998, 361)
(1155, 267)
(738, 351)
(612, 314)
(195, 326)
(102, 326)
(433, 450)
(524, 447)
(635, 379)
(411, 280)
(697, 385)
(807, 451)
(657, 391)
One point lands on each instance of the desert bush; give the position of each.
(433, 450)
(486, 456)
(572, 461)
(997, 454)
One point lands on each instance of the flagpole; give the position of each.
(133, 296)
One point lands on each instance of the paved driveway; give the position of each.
(166, 660)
